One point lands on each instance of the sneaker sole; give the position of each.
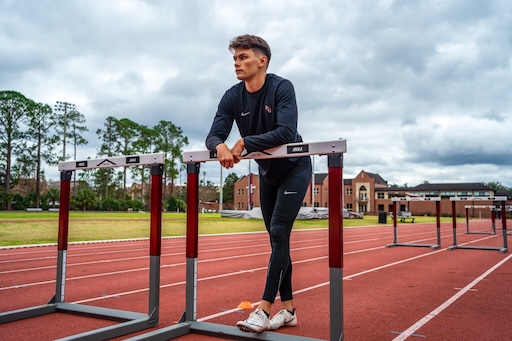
(248, 329)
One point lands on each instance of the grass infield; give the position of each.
(26, 228)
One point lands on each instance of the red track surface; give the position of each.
(431, 294)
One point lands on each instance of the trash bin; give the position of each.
(382, 217)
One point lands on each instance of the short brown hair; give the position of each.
(248, 41)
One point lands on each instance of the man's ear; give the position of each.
(263, 60)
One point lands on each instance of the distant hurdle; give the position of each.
(188, 323)
(129, 321)
(503, 200)
(493, 218)
(437, 201)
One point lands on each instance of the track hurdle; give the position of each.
(188, 322)
(503, 200)
(493, 218)
(129, 321)
(437, 200)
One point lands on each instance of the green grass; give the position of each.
(24, 228)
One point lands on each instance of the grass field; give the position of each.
(24, 228)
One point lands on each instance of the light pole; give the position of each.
(64, 107)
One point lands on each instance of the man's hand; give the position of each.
(225, 156)
(237, 150)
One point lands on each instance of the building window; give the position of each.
(316, 191)
(447, 194)
(482, 194)
(349, 191)
(380, 195)
(240, 191)
(349, 207)
(464, 194)
(431, 194)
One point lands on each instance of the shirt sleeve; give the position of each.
(286, 114)
(222, 124)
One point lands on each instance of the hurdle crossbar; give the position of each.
(129, 322)
(188, 323)
(437, 200)
(455, 245)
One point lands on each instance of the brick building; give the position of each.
(369, 193)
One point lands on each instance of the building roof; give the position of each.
(467, 186)
(319, 178)
(378, 179)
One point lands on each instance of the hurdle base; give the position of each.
(492, 248)
(432, 246)
(216, 330)
(130, 322)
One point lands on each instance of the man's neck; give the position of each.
(256, 82)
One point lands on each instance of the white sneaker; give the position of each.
(256, 323)
(283, 319)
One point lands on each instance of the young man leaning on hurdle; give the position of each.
(264, 107)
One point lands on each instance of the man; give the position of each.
(265, 110)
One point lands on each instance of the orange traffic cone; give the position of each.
(245, 305)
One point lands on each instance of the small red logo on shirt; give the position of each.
(268, 109)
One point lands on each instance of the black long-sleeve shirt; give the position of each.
(266, 118)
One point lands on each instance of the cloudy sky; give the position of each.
(421, 90)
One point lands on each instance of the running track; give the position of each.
(397, 293)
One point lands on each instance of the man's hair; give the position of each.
(248, 41)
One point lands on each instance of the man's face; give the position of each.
(247, 63)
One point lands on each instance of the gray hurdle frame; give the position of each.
(503, 200)
(493, 218)
(129, 322)
(188, 322)
(437, 200)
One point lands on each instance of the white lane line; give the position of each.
(409, 331)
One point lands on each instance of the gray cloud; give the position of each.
(420, 90)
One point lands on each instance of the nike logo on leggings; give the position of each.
(287, 192)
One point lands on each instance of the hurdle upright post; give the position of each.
(192, 236)
(395, 232)
(504, 224)
(335, 176)
(155, 242)
(62, 244)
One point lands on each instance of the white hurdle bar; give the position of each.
(130, 322)
(502, 199)
(188, 322)
(437, 200)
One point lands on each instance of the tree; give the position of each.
(85, 198)
(228, 190)
(13, 108)
(143, 145)
(170, 141)
(108, 136)
(52, 196)
(40, 121)
(127, 131)
(497, 186)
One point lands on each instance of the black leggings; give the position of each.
(280, 205)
